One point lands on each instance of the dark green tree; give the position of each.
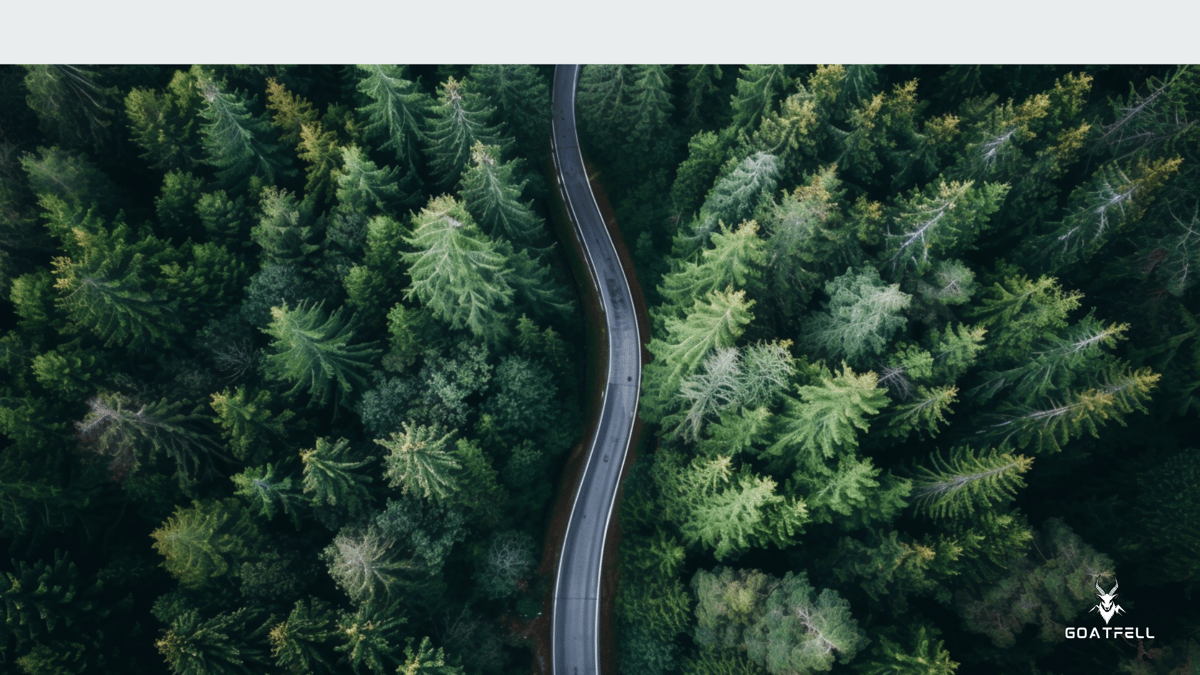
(396, 113)
(206, 540)
(419, 461)
(522, 100)
(41, 599)
(758, 87)
(247, 423)
(301, 642)
(166, 124)
(227, 644)
(968, 481)
(372, 638)
(236, 141)
(493, 196)
(333, 476)
(462, 118)
(71, 103)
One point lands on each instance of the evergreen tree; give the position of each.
(940, 222)
(165, 124)
(522, 100)
(968, 480)
(418, 461)
(128, 433)
(506, 566)
(860, 318)
(333, 476)
(803, 631)
(927, 409)
(734, 198)
(316, 353)
(713, 322)
(1021, 312)
(605, 101)
(396, 112)
(235, 140)
(298, 643)
(71, 103)
(734, 260)
(364, 564)
(1049, 591)
(494, 198)
(892, 568)
(927, 655)
(650, 104)
(287, 230)
(41, 599)
(105, 286)
(371, 637)
(375, 285)
(826, 420)
(248, 424)
(457, 271)
(74, 180)
(363, 187)
(203, 541)
(227, 644)
(758, 86)
(320, 149)
(954, 350)
(265, 487)
(701, 82)
(461, 119)
(289, 113)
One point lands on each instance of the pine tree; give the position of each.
(508, 563)
(165, 124)
(457, 271)
(247, 423)
(236, 141)
(41, 599)
(733, 199)
(927, 655)
(320, 149)
(128, 433)
(461, 119)
(605, 99)
(1021, 312)
(1049, 426)
(826, 420)
(1100, 210)
(1049, 590)
(860, 318)
(375, 285)
(316, 353)
(397, 112)
(734, 260)
(425, 660)
(728, 603)
(418, 461)
(287, 230)
(71, 104)
(851, 493)
(272, 492)
(803, 631)
(522, 100)
(968, 480)
(923, 414)
(494, 198)
(939, 222)
(732, 378)
(105, 285)
(713, 322)
(227, 644)
(290, 113)
(701, 81)
(363, 187)
(75, 181)
(371, 637)
(298, 643)
(758, 86)
(651, 108)
(954, 350)
(364, 564)
(333, 476)
(893, 568)
(204, 540)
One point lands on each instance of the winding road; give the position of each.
(576, 618)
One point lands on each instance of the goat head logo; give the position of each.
(1107, 606)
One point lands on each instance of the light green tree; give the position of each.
(419, 460)
(968, 481)
(803, 631)
(735, 259)
(364, 563)
(733, 199)
(938, 222)
(372, 637)
(167, 124)
(860, 318)
(334, 477)
(299, 642)
(457, 271)
(921, 653)
(268, 488)
(422, 659)
(206, 540)
(826, 420)
(317, 354)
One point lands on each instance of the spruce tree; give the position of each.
(364, 564)
(371, 638)
(166, 124)
(363, 187)
(247, 423)
(522, 100)
(939, 222)
(735, 258)
(41, 599)
(268, 488)
(205, 540)
(758, 87)
(457, 271)
(71, 103)
(333, 476)
(860, 318)
(419, 461)
(396, 113)
(826, 420)
(802, 631)
(298, 643)
(462, 118)
(968, 481)
(227, 644)
(375, 285)
(316, 353)
(605, 99)
(236, 141)
(733, 199)
(1020, 312)
(493, 197)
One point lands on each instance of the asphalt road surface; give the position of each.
(576, 618)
